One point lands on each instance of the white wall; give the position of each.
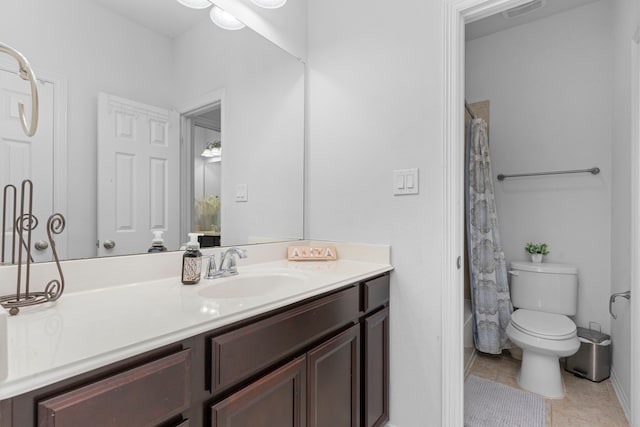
(626, 18)
(206, 173)
(374, 106)
(76, 39)
(550, 87)
(99, 60)
(286, 26)
(262, 126)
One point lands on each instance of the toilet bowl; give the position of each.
(544, 294)
(544, 338)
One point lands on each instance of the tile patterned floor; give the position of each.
(586, 404)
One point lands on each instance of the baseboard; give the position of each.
(622, 396)
(467, 369)
(469, 364)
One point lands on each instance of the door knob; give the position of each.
(109, 244)
(626, 295)
(41, 245)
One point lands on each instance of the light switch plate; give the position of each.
(242, 193)
(405, 181)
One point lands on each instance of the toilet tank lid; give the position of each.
(544, 267)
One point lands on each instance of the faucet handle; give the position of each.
(212, 271)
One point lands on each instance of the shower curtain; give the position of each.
(490, 298)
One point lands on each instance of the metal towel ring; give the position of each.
(26, 73)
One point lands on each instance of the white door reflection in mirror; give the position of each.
(138, 175)
(23, 157)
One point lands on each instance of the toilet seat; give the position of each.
(542, 325)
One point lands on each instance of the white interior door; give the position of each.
(27, 157)
(138, 175)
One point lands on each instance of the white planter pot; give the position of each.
(536, 257)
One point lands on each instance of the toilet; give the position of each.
(543, 296)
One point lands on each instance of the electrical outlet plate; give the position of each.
(242, 194)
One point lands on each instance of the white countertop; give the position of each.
(85, 330)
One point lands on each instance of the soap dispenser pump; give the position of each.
(192, 261)
(157, 244)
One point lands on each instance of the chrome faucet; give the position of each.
(231, 269)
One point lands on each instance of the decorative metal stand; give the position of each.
(22, 226)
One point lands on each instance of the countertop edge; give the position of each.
(39, 380)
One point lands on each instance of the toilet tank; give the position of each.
(552, 288)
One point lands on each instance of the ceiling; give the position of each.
(170, 18)
(167, 17)
(498, 22)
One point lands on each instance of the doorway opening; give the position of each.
(202, 136)
(457, 14)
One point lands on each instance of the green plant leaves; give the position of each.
(536, 248)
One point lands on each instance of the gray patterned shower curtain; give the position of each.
(490, 298)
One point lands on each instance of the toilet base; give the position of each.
(540, 373)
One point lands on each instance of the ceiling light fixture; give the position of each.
(212, 149)
(269, 4)
(224, 19)
(195, 4)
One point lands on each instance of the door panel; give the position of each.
(376, 369)
(27, 157)
(333, 374)
(278, 399)
(138, 175)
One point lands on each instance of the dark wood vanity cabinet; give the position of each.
(277, 399)
(246, 351)
(376, 369)
(322, 362)
(375, 351)
(333, 381)
(319, 388)
(151, 389)
(148, 395)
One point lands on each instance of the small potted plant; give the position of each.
(536, 250)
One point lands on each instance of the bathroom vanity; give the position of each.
(317, 358)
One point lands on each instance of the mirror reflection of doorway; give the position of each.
(207, 163)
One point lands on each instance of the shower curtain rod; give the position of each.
(594, 171)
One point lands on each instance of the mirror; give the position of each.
(158, 72)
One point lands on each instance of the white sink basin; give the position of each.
(254, 284)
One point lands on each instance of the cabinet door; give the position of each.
(376, 369)
(278, 399)
(333, 374)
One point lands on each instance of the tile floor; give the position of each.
(586, 404)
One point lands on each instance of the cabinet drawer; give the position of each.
(144, 396)
(375, 293)
(239, 354)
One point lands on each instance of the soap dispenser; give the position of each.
(192, 261)
(157, 244)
